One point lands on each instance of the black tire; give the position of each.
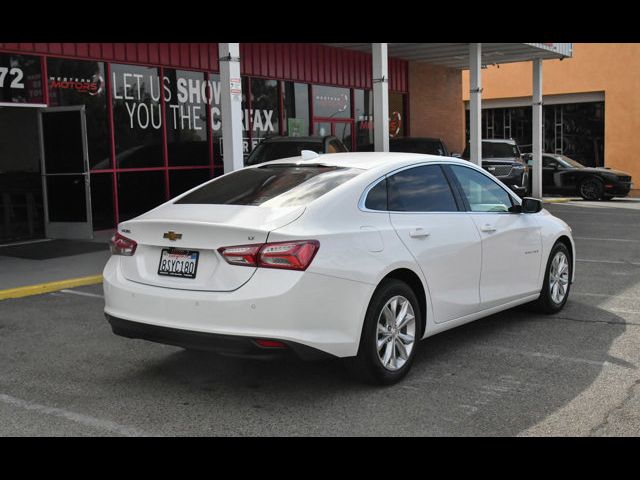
(591, 188)
(367, 366)
(545, 303)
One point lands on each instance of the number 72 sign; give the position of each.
(21, 80)
(15, 75)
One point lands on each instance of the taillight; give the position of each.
(294, 255)
(121, 245)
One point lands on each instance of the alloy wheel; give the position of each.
(396, 332)
(590, 190)
(559, 278)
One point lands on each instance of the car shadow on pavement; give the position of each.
(496, 376)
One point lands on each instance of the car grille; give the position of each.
(499, 170)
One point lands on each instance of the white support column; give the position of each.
(536, 171)
(475, 102)
(380, 97)
(231, 106)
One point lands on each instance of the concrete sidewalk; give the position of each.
(24, 264)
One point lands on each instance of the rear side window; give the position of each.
(271, 186)
(420, 189)
(377, 197)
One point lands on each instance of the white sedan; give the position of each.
(356, 255)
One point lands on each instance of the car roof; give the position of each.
(366, 160)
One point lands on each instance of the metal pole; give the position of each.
(475, 102)
(380, 97)
(231, 106)
(536, 171)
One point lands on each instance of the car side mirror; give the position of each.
(531, 205)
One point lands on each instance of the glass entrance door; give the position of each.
(65, 173)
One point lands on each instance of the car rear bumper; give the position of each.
(223, 344)
(316, 311)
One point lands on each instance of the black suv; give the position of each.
(274, 148)
(503, 159)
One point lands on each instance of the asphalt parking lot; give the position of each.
(62, 371)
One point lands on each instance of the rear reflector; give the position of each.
(295, 255)
(121, 245)
(270, 343)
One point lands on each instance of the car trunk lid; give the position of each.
(202, 229)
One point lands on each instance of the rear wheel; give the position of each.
(591, 189)
(607, 197)
(557, 280)
(390, 333)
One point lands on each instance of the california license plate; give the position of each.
(175, 262)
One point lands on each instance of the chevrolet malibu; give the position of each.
(350, 255)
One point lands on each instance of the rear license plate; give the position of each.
(175, 262)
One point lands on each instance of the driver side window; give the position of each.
(549, 162)
(482, 193)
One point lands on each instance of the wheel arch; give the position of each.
(564, 239)
(414, 281)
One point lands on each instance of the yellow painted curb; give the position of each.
(41, 288)
(556, 200)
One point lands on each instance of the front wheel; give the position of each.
(557, 280)
(591, 189)
(390, 332)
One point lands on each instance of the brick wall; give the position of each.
(436, 107)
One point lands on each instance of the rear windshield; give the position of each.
(267, 151)
(271, 186)
(429, 147)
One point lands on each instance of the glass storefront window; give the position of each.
(265, 111)
(363, 103)
(139, 192)
(296, 109)
(331, 102)
(77, 82)
(20, 79)
(137, 116)
(186, 116)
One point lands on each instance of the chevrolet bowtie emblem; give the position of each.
(173, 236)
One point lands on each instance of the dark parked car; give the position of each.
(563, 175)
(274, 148)
(430, 146)
(503, 159)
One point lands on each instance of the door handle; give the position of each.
(419, 233)
(488, 228)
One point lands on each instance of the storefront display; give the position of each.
(153, 126)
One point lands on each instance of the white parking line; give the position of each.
(616, 262)
(83, 294)
(104, 425)
(607, 239)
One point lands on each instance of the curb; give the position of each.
(41, 288)
(556, 200)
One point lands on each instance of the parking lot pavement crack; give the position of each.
(596, 431)
(609, 322)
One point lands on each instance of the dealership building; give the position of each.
(92, 134)
(591, 110)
